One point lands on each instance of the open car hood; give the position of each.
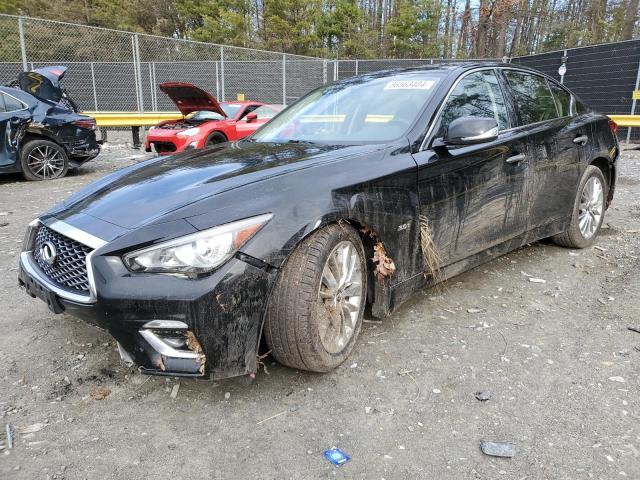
(43, 83)
(189, 98)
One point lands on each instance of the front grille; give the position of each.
(69, 269)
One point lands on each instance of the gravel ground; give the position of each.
(557, 358)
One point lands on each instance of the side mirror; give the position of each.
(471, 130)
(251, 117)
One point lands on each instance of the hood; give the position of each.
(144, 193)
(189, 98)
(43, 83)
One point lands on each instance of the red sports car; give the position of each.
(206, 122)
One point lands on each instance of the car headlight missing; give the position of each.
(196, 253)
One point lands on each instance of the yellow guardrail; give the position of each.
(626, 120)
(148, 119)
(131, 119)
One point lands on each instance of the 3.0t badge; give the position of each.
(48, 252)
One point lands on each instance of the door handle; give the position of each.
(582, 140)
(516, 158)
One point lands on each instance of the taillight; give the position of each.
(613, 126)
(89, 123)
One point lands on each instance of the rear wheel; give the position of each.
(43, 160)
(215, 138)
(315, 311)
(588, 211)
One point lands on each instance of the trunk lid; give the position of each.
(43, 83)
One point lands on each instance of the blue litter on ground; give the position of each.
(336, 456)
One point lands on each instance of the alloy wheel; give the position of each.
(340, 297)
(46, 162)
(591, 207)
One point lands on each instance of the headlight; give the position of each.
(199, 252)
(189, 132)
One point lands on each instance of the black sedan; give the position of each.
(353, 198)
(40, 133)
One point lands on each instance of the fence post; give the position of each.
(324, 71)
(284, 79)
(93, 84)
(23, 47)
(564, 62)
(217, 82)
(137, 71)
(222, 72)
(154, 86)
(335, 70)
(633, 103)
(356, 66)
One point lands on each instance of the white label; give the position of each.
(410, 85)
(562, 70)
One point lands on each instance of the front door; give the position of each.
(473, 197)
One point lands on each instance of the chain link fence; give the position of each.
(112, 70)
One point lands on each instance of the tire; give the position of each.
(304, 331)
(43, 160)
(215, 138)
(586, 213)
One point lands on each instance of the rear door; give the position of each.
(553, 142)
(472, 196)
(13, 115)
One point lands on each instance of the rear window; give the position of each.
(562, 98)
(533, 97)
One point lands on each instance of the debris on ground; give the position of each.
(474, 310)
(9, 431)
(174, 391)
(269, 418)
(227, 395)
(634, 329)
(429, 253)
(36, 427)
(537, 280)
(498, 449)
(483, 395)
(384, 265)
(336, 456)
(100, 393)
(617, 379)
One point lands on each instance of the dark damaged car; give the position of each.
(350, 200)
(41, 134)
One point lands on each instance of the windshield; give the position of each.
(204, 115)
(230, 109)
(360, 110)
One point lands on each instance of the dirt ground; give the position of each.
(560, 364)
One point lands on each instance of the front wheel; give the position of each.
(43, 160)
(215, 138)
(315, 311)
(588, 211)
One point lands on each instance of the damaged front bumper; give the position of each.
(167, 325)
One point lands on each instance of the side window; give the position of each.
(533, 97)
(477, 95)
(10, 104)
(563, 99)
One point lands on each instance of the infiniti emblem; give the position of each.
(48, 252)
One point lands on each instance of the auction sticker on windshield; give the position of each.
(410, 85)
